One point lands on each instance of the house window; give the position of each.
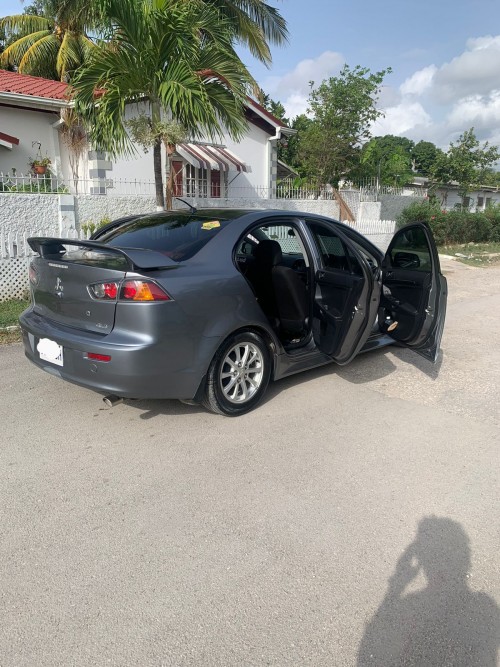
(488, 202)
(480, 202)
(202, 182)
(190, 181)
(196, 182)
(215, 183)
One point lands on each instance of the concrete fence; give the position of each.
(64, 215)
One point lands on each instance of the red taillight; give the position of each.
(104, 290)
(98, 357)
(142, 290)
(130, 290)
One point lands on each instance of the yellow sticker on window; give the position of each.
(211, 225)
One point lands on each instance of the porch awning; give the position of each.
(204, 156)
(7, 141)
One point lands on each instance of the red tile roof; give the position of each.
(23, 84)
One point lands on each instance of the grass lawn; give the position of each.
(9, 312)
(474, 254)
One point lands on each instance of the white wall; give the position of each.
(92, 208)
(253, 150)
(24, 212)
(28, 126)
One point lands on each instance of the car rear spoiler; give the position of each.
(137, 258)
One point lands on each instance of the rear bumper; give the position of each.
(140, 367)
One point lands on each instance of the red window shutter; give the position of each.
(177, 169)
(215, 183)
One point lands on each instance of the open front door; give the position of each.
(414, 291)
(346, 296)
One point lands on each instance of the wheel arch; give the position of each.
(253, 328)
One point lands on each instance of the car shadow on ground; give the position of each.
(151, 408)
(366, 368)
(377, 365)
(443, 623)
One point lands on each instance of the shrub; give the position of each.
(418, 212)
(454, 226)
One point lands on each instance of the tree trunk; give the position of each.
(160, 200)
(169, 188)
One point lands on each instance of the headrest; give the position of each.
(268, 252)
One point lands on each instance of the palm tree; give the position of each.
(255, 24)
(175, 57)
(52, 44)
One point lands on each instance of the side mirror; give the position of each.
(406, 260)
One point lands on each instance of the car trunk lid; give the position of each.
(67, 268)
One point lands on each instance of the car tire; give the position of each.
(238, 375)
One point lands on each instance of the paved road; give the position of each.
(351, 520)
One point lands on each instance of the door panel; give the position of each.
(414, 291)
(342, 295)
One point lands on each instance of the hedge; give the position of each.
(451, 227)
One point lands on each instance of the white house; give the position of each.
(30, 110)
(30, 127)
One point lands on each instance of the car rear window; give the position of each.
(179, 238)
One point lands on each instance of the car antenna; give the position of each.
(191, 207)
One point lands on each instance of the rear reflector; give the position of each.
(98, 357)
(33, 275)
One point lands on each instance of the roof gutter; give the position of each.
(33, 101)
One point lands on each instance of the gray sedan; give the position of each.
(208, 306)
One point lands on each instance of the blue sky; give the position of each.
(445, 57)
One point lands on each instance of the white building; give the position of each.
(30, 127)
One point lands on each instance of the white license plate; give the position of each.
(50, 351)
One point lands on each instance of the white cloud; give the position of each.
(419, 82)
(402, 118)
(476, 71)
(483, 113)
(436, 103)
(292, 89)
(439, 103)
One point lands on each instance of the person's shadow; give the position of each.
(444, 625)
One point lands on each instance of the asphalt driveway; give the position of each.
(352, 519)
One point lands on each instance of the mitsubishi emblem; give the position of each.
(59, 287)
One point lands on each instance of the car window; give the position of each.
(410, 250)
(333, 252)
(285, 235)
(178, 238)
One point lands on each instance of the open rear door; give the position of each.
(414, 291)
(346, 296)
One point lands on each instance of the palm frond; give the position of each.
(40, 59)
(70, 54)
(14, 53)
(23, 24)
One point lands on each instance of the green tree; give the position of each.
(176, 58)
(291, 154)
(424, 155)
(466, 162)
(52, 42)
(387, 158)
(343, 109)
